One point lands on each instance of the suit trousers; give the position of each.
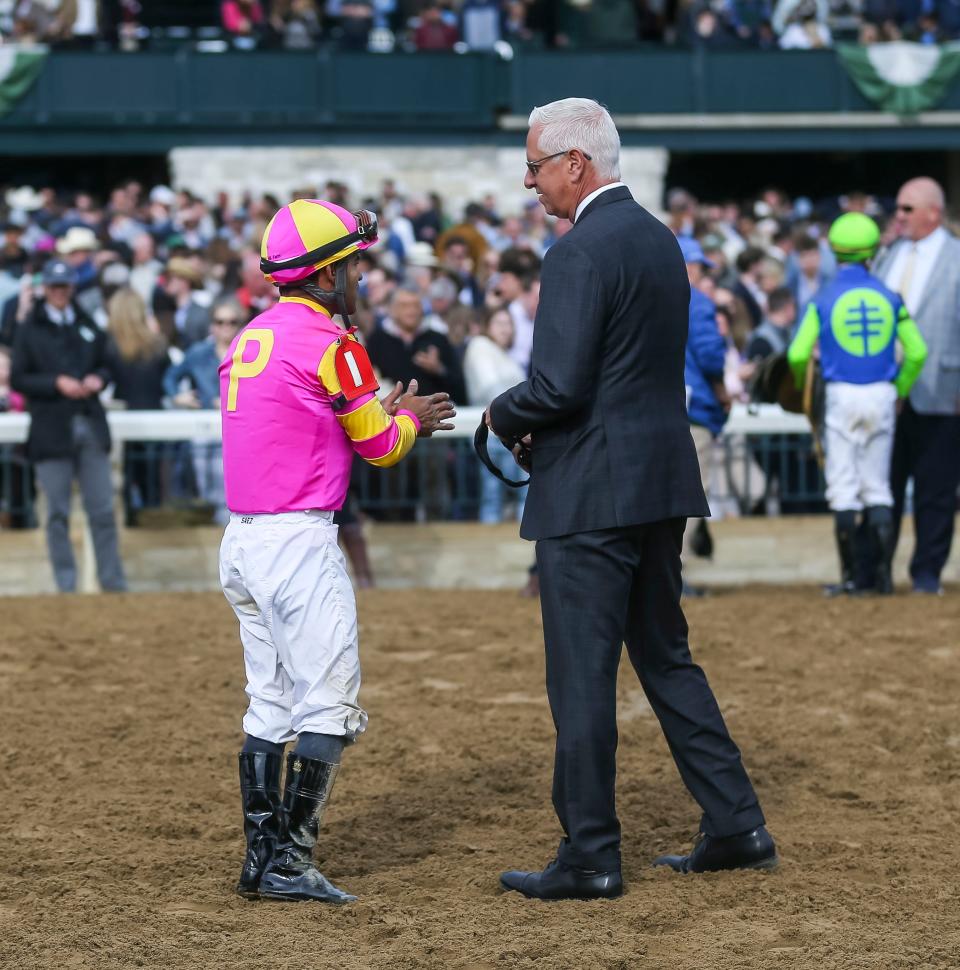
(926, 447)
(600, 590)
(90, 465)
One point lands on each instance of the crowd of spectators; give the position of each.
(447, 298)
(171, 278)
(429, 25)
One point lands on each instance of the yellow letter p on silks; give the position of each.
(250, 368)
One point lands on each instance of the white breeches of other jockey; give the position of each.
(860, 420)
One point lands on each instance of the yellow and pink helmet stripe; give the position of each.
(302, 227)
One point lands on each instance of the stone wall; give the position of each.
(449, 555)
(459, 174)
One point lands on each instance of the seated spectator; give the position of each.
(806, 28)
(112, 277)
(806, 273)
(928, 28)
(354, 19)
(481, 23)
(404, 348)
(523, 312)
(681, 211)
(198, 366)
(146, 267)
(734, 326)
(139, 359)
(243, 20)
(378, 287)
(78, 248)
(747, 287)
(770, 277)
(517, 285)
(193, 223)
(163, 201)
(511, 235)
(296, 22)
(33, 23)
(489, 370)
(442, 297)
(421, 268)
(13, 257)
(191, 317)
(433, 33)
(708, 30)
(457, 259)
(774, 333)
(77, 24)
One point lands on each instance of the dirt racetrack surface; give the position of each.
(121, 821)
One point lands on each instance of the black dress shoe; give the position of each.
(749, 850)
(560, 881)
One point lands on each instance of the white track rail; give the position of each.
(205, 425)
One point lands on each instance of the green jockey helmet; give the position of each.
(854, 237)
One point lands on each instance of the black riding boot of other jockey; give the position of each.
(291, 874)
(845, 532)
(880, 523)
(262, 810)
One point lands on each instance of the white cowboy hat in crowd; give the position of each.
(78, 239)
(422, 254)
(24, 199)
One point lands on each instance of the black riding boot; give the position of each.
(262, 808)
(291, 874)
(845, 531)
(880, 523)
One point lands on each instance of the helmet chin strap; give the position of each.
(337, 296)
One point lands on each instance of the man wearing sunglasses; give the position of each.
(923, 266)
(614, 478)
(298, 401)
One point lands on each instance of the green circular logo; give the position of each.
(862, 322)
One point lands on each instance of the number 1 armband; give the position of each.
(354, 371)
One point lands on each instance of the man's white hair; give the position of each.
(580, 123)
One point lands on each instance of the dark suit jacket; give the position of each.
(606, 400)
(42, 351)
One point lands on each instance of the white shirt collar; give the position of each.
(930, 243)
(59, 317)
(585, 202)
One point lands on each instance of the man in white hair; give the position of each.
(923, 266)
(614, 479)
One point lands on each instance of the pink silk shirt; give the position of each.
(295, 413)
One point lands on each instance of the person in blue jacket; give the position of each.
(707, 401)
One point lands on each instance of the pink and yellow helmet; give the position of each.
(309, 234)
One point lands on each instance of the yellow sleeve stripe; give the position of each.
(405, 440)
(327, 371)
(366, 421)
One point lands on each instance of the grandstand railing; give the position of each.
(171, 460)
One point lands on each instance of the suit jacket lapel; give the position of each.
(885, 263)
(940, 271)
